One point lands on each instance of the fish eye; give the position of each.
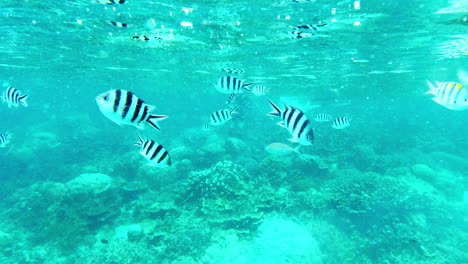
(105, 97)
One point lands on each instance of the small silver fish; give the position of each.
(280, 149)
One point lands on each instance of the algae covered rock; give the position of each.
(423, 171)
(89, 183)
(225, 178)
(132, 233)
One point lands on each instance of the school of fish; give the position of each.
(125, 108)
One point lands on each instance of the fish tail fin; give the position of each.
(432, 88)
(245, 86)
(233, 110)
(153, 119)
(140, 140)
(22, 100)
(276, 111)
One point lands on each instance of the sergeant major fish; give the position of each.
(341, 122)
(125, 108)
(118, 24)
(230, 84)
(234, 71)
(111, 2)
(451, 95)
(296, 122)
(155, 153)
(321, 117)
(231, 99)
(13, 97)
(4, 139)
(258, 90)
(221, 116)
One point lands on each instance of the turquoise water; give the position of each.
(390, 188)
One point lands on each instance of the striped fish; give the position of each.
(221, 116)
(118, 24)
(13, 97)
(296, 122)
(341, 122)
(309, 26)
(155, 153)
(231, 99)
(297, 34)
(230, 85)
(234, 71)
(125, 108)
(4, 139)
(321, 117)
(258, 90)
(452, 95)
(111, 2)
(206, 127)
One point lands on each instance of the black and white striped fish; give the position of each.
(13, 97)
(309, 26)
(4, 139)
(148, 38)
(258, 90)
(125, 108)
(111, 2)
(298, 34)
(118, 24)
(155, 153)
(234, 71)
(221, 116)
(341, 122)
(296, 122)
(206, 127)
(321, 117)
(231, 98)
(230, 84)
